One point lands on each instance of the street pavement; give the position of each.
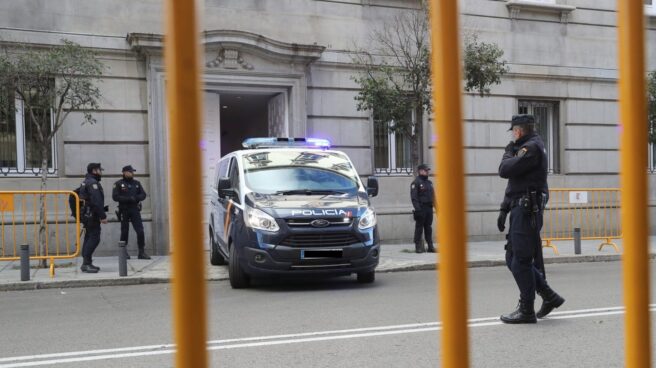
(394, 257)
(327, 323)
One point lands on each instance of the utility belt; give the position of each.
(531, 202)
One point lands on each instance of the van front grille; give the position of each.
(320, 240)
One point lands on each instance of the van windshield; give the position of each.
(299, 172)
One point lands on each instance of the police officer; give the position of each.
(524, 164)
(422, 195)
(93, 214)
(129, 193)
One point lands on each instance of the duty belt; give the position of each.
(516, 201)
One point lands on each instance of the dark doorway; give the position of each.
(243, 116)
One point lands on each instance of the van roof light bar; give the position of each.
(273, 142)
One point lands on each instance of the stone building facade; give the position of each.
(284, 68)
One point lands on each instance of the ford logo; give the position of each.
(320, 223)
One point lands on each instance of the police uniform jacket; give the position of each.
(421, 193)
(93, 194)
(128, 193)
(525, 166)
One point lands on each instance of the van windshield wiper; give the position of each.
(307, 192)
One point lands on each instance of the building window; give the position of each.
(546, 121)
(19, 144)
(392, 150)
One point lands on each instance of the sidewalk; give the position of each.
(394, 258)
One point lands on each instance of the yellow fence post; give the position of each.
(633, 179)
(447, 86)
(183, 101)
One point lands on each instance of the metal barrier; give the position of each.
(595, 211)
(21, 221)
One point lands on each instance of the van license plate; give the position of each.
(326, 253)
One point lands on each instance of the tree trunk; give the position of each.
(42, 205)
(416, 141)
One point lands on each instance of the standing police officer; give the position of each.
(524, 164)
(94, 214)
(129, 193)
(423, 197)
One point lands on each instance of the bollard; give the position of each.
(577, 240)
(25, 262)
(122, 259)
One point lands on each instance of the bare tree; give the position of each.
(49, 84)
(395, 74)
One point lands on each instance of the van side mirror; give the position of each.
(372, 186)
(225, 188)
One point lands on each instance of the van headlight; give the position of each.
(368, 219)
(260, 220)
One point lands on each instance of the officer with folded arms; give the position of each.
(129, 194)
(525, 165)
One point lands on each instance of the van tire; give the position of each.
(366, 277)
(216, 259)
(238, 278)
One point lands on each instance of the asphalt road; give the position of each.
(335, 323)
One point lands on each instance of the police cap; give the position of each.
(521, 120)
(423, 167)
(128, 168)
(94, 165)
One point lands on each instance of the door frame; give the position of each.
(292, 85)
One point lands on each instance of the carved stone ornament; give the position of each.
(229, 59)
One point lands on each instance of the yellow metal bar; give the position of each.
(2, 225)
(447, 84)
(184, 105)
(77, 225)
(633, 179)
(24, 219)
(35, 240)
(56, 225)
(13, 227)
(45, 220)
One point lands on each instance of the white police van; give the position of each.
(292, 207)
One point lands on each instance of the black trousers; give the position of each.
(524, 253)
(424, 223)
(91, 240)
(132, 215)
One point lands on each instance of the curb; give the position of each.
(39, 285)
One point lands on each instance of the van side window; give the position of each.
(234, 178)
(223, 170)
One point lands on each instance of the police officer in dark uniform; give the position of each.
(525, 166)
(129, 193)
(423, 197)
(93, 214)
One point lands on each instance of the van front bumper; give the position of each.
(292, 261)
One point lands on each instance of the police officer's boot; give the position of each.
(550, 301)
(523, 314)
(142, 254)
(431, 249)
(419, 247)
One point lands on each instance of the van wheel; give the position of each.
(366, 277)
(216, 259)
(238, 278)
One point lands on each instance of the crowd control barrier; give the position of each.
(20, 224)
(595, 211)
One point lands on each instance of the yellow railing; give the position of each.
(596, 211)
(20, 223)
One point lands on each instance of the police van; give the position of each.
(292, 207)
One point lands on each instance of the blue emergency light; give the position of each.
(271, 142)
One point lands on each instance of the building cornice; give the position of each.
(232, 39)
